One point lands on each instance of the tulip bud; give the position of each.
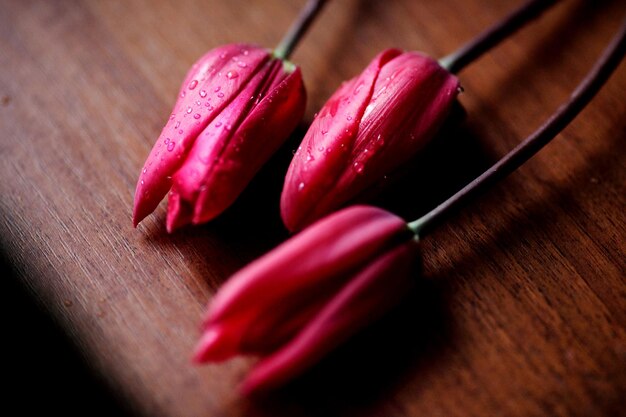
(235, 108)
(370, 126)
(298, 302)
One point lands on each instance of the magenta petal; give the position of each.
(370, 294)
(327, 249)
(217, 343)
(231, 150)
(208, 88)
(259, 136)
(179, 212)
(296, 272)
(404, 105)
(236, 108)
(327, 146)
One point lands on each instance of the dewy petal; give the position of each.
(409, 100)
(262, 132)
(236, 144)
(208, 147)
(202, 96)
(366, 297)
(326, 148)
(415, 95)
(326, 252)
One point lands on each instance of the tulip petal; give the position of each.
(406, 104)
(207, 149)
(208, 87)
(401, 131)
(334, 245)
(284, 320)
(217, 343)
(323, 256)
(366, 297)
(327, 145)
(259, 136)
(236, 144)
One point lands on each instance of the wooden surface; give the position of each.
(522, 309)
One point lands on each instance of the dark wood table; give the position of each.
(522, 308)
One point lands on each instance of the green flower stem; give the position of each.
(298, 29)
(586, 90)
(491, 37)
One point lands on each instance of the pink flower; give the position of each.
(298, 302)
(371, 125)
(236, 106)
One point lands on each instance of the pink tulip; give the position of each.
(371, 125)
(236, 106)
(310, 294)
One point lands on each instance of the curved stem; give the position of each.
(298, 29)
(585, 91)
(463, 56)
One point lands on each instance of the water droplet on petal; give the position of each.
(203, 93)
(177, 125)
(166, 140)
(324, 131)
(220, 95)
(193, 84)
(228, 127)
(183, 94)
(348, 118)
(180, 132)
(242, 64)
(218, 124)
(321, 149)
(358, 167)
(144, 170)
(217, 88)
(301, 186)
(232, 75)
(196, 116)
(189, 109)
(170, 146)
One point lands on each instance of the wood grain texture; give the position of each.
(522, 309)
